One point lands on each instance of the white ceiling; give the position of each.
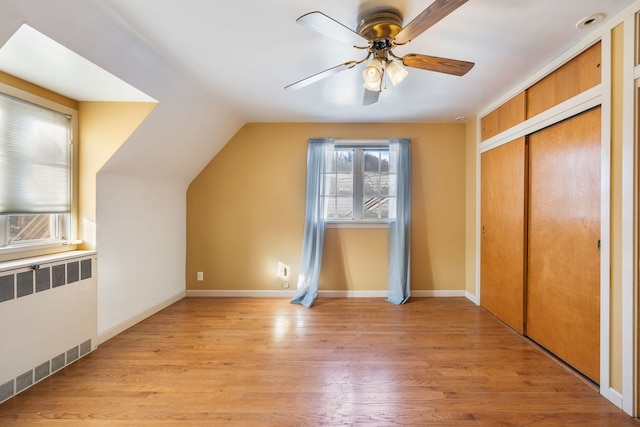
(244, 52)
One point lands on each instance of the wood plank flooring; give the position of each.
(364, 362)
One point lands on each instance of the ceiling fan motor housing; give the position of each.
(380, 27)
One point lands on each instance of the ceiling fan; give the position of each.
(378, 34)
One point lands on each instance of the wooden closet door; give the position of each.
(563, 293)
(503, 232)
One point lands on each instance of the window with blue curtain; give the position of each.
(361, 182)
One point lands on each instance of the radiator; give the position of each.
(48, 317)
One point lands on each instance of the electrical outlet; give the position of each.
(285, 285)
(200, 276)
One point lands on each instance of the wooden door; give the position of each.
(502, 239)
(563, 290)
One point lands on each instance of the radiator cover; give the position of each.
(48, 317)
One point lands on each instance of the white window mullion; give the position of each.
(358, 184)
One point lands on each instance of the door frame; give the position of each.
(630, 225)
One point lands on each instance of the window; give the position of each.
(35, 174)
(358, 184)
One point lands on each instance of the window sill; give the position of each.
(29, 262)
(11, 253)
(357, 224)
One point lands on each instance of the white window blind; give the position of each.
(35, 158)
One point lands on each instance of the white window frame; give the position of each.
(66, 223)
(358, 221)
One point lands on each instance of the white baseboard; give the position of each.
(437, 294)
(353, 294)
(321, 293)
(123, 326)
(614, 397)
(239, 293)
(474, 299)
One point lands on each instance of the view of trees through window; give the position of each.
(376, 184)
(357, 184)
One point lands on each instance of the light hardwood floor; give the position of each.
(265, 362)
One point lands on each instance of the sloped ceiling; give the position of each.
(189, 126)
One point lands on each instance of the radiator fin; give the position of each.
(73, 272)
(6, 390)
(57, 362)
(43, 279)
(58, 277)
(42, 371)
(85, 347)
(7, 291)
(23, 381)
(25, 283)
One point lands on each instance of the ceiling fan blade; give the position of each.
(321, 75)
(426, 19)
(370, 97)
(434, 63)
(321, 23)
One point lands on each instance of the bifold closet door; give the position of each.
(563, 290)
(502, 232)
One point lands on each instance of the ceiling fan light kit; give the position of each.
(372, 75)
(379, 33)
(396, 73)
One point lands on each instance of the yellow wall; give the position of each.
(245, 211)
(103, 128)
(17, 83)
(471, 205)
(353, 259)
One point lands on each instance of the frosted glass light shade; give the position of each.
(373, 71)
(372, 75)
(396, 73)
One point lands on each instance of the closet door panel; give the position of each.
(509, 114)
(503, 232)
(574, 77)
(563, 293)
